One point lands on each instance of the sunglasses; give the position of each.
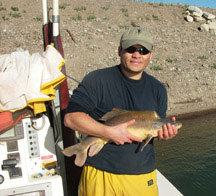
(142, 51)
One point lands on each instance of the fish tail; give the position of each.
(95, 148)
(79, 150)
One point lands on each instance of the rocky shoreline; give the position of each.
(184, 57)
(195, 14)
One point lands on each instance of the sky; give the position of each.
(199, 3)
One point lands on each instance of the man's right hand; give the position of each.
(120, 135)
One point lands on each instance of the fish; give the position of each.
(146, 126)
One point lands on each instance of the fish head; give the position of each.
(158, 124)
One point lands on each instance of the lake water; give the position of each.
(189, 160)
(199, 3)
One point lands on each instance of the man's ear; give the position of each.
(119, 50)
(151, 53)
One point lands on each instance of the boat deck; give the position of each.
(165, 187)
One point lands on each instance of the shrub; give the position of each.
(14, 8)
(169, 60)
(157, 68)
(155, 17)
(80, 8)
(63, 6)
(202, 57)
(91, 17)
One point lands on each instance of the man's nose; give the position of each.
(136, 54)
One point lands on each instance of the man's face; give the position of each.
(134, 63)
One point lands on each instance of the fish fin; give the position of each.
(118, 109)
(71, 150)
(95, 148)
(147, 140)
(155, 115)
(113, 113)
(80, 136)
(77, 150)
(80, 159)
(80, 150)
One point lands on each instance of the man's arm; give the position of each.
(84, 123)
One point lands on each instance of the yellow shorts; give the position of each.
(94, 182)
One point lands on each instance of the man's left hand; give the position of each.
(169, 131)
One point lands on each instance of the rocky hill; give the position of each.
(184, 57)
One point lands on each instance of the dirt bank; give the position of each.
(184, 58)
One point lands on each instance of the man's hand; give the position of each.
(169, 131)
(119, 134)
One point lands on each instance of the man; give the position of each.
(120, 168)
